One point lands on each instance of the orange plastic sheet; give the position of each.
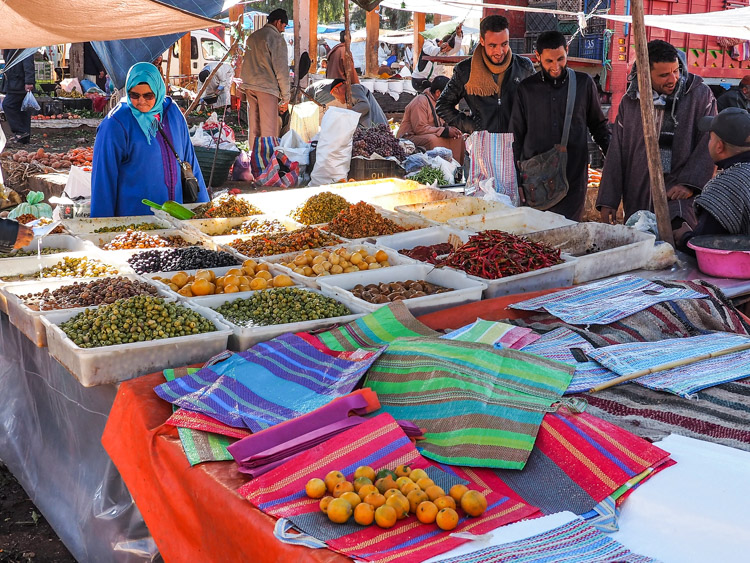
(194, 513)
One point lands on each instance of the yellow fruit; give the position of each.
(234, 272)
(186, 291)
(205, 274)
(390, 492)
(415, 498)
(315, 488)
(174, 287)
(342, 487)
(473, 503)
(231, 280)
(282, 280)
(261, 267)
(244, 287)
(249, 264)
(457, 491)
(364, 514)
(324, 502)
(381, 256)
(231, 288)
(332, 479)
(360, 482)
(425, 483)
(399, 503)
(179, 279)
(265, 274)
(366, 490)
(219, 281)
(434, 492)
(351, 498)
(406, 488)
(417, 474)
(339, 511)
(202, 286)
(446, 519)
(365, 471)
(426, 512)
(375, 499)
(445, 502)
(258, 283)
(402, 471)
(385, 516)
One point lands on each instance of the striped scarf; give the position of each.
(727, 198)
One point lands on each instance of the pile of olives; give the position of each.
(137, 319)
(79, 294)
(176, 259)
(320, 208)
(69, 268)
(281, 306)
(145, 226)
(20, 253)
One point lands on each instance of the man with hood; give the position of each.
(736, 97)
(539, 115)
(336, 67)
(487, 81)
(679, 101)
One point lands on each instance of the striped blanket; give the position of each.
(494, 333)
(271, 382)
(575, 541)
(380, 443)
(479, 406)
(605, 301)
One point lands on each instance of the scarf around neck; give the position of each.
(481, 80)
(148, 73)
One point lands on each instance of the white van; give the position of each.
(205, 47)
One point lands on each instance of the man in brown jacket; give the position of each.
(422, 126)
(336, 63)
(265, 77)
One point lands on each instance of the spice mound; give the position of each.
(301, 239)
(362, 220)
(320, 208)
(225, 206)
(431, 254)
(80, 294)
(496, 254)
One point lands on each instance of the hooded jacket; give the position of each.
(16, 78)
(625, 176)
(488, 113)
(265, 66)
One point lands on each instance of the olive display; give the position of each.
(225, 206)
(281, 306)
(144, 226)
(176, 259)
(320, 208)
(376, 139)
(137, 319)
(396, 291)
(44, 251)
(70, 268)
(131, 239)
(80, 294)
(256, 227)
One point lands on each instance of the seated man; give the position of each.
(723, 207)
(422, 126)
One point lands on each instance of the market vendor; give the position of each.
(14, 235)
(422, 126)
(217, 93)
(132, 160)
(363, 102)
(723, 207)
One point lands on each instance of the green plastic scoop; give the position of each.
(172, 207)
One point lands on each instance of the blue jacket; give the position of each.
(126, 169)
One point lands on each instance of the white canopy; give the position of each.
(33, 23)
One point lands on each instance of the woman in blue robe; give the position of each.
(131, 159)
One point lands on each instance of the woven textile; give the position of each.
(556, 345)
(492, 159)
(605, 301)
(479, 406)
(576, 541)
(373, 330)
(497, 334)
(197, 421)
(271, 382)
(379, 442)
(625, 359)
(199, 446)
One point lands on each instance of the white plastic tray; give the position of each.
(112, 364)
(29, 321)
(439, 212)
(87, 225)
(518, 220)
(560, 275)
(66, 242)
(466, 290)
(425, 195)
(212, 227)
(100, 239)
(602, 250)
(394, 259)
(243, 337)
(422, 237)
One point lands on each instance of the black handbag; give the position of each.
(544, 178)
(190, 186)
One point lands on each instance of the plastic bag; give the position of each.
(644, 221)
(334, 151)
(30, 104)
(34, 205)
(305, 120)
(295, 148)
(242, 171)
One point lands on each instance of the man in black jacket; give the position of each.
(18, 80)
(539, 115)
(488, 82)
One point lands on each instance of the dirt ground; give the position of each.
(25, 536)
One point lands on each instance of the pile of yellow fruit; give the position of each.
(252, 276)
(313, 263)
(387, 496)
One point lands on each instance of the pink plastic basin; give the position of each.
(717, 255)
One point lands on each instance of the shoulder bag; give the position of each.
(190, 186)
(544, 179)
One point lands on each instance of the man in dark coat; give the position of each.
(16, 81)
(736, 97)
(487, 81)
(679, 100)
(539, 115)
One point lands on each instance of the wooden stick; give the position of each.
(671, 365)
(656, 172)
(197, 99)
(348, 61)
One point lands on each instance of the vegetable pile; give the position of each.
(342, 260)
(81, 156)
(429, 175)
(496, 254)
(362, 220)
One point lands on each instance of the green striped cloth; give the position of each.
(199, 446)
(479, 406)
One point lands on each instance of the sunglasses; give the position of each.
(148, 96)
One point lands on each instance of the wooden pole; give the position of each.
(419, 24)
(373, 43)
(313, 35)
(348, 61)
(237, 15)
(185, 71)
(170, 53)
(76, 61)
(650, 136)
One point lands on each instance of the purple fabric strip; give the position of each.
(168, 160)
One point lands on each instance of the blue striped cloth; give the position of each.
(268, 384)
(575, 541)
(606, 301)
(625, 359)
(556, 345)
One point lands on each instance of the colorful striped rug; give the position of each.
(494, 333)
(271, 382)
(605, 301)
(380, 443)
(576, 542)
(479, 406)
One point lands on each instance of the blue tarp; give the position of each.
(118, 56)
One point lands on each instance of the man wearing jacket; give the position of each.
(488, 82)
(336, 63)
(679, 100)
(736, 97)
(16, 81)
(265, 77)
(539, 115)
